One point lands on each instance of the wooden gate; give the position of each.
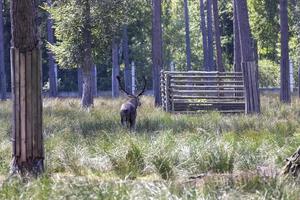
(197, 91)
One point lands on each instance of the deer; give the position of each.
(128, 110)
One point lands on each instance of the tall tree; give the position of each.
(210, 37)
(237, 48)
(157, 58)
(285, 93)
(187, 35)
(249, 66)
(51, 63)
(87, 64)
(27, 134)
(127, 71)
(2, 64)
(220, 65)
(204, 35)
(115, 69)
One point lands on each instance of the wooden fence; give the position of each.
(196, 91)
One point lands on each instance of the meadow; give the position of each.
(88, 155)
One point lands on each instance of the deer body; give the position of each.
(128, 110)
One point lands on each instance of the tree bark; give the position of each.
(210, 41)
(249, 66)
(79, 81)
(204, 36)
(187, 36)
(2, 64)
(237, 48)
(157, 58)
(285, 93)
(87, 65)
(127, 73)
(115, 69)
(27, 134)
(51, 63)
(220, 65)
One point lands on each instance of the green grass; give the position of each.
(90, 156)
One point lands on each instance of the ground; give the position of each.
(204, 156)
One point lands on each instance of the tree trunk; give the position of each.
(285, 93)
(127, 72)
(237, 48)
(157, 58)
(204, 36)
(79, 81)
(220, 65)
(187, 36)
(2, 64)
(52, 67)
(210, 41)
(87, 65)
(115, 69)
(249, 66)
(27, 134)
(94, 81)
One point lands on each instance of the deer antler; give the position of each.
(120, 85)
(141, 93)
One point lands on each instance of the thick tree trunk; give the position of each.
(115, 69)
(94, 81)
(2, 65)
(285, 92)
(87, 65)
(204, 36)
(187, 36)
(157, 58)
(249, 66)
(210, 41)
(220, 65)
(79, 81)
(27, 134)
(51, 63)
(127, 71)
(237, 48)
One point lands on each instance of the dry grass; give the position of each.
(90, 156)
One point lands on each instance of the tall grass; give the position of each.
(90, 156)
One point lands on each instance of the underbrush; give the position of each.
(90, 156)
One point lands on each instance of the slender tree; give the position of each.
(210, 45)
(51, 63)
(115, 69)
(27, 134)
(187, 36)
(285, 93)
(2, 65)
(204, 36)
(249, 66)
(237, 48)
(157, 58)
(127, 71)
(220, 65)
(87, 64)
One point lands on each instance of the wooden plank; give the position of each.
(206, 97)
(206, 86)
(28, 106)
(23, 105)
(34, 103)
(191, 81)
(13, 91)
(204, 77)
(205, 91)
(40, 103)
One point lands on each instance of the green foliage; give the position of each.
(269, 73)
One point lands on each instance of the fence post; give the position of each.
(167, 91)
